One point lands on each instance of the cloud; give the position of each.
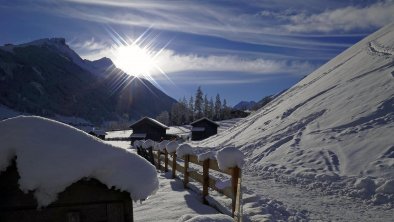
(343, 19)
(234, 22)
(169, 62)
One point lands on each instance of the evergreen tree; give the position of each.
(198, 103)
(211, 109)
(191, 109)
(218, 107)
(226, 111)
(164, 117)
(206, 106)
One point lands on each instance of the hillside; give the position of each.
(338, 120)
(46, 77)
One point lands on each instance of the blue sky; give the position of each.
(243, 50)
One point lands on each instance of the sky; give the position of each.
(241, 49)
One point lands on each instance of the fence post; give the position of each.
(173, 165)
(165, 160)
(234, 186)
(186, 173)
(158, 160)
(205, 176)
(150, 156)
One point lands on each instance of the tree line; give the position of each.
(187, 111)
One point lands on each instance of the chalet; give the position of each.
(203, 128)
(98, 133)
(148, 128)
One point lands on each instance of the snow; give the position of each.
(148, 144)
(207, 155)
(328, 131)
(138, 143)
(204, 218)
(184, 149)
(119, 134)
(170, 203)
(172, 146)
(52, 155)
(163, 145)
(230, 157)
(386, 187)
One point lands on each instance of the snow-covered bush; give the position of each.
(230, 157)
(50, 156)
(184, 149)
(172, 146)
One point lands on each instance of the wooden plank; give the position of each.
(165, 161)
(174, 165)
(186, 171)
(234, 186)
(115, 212)
(213, 164)
(238, 204)
(205, 183)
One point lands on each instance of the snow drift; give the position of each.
(337, 121)
(50, 156)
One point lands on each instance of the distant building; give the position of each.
(148, 128)
(99, 133)
(203, 128)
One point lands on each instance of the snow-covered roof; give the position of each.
(204, 119)
(51, 156)
(151, 120)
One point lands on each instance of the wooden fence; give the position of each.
(233, 192)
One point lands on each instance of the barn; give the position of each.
(203, 128)
(148, 128)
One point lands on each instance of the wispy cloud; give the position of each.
(342, 19)
(170, 62)
(196, 17)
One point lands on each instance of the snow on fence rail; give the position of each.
(230, 164)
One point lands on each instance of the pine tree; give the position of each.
(164, 117)
(191, 109)
(198, 103)
(206, 106)
(226, 111)
(218, 107)
(211, 109)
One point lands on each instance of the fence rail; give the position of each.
(233, 192)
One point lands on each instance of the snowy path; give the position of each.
(170, 203)
(320, 207)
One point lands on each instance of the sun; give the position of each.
(134, 60)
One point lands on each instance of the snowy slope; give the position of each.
(339, 120)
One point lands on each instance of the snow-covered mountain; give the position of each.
(46, 77)
(339, 120)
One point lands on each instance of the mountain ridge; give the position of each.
(46, 77)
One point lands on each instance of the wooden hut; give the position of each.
(85, 200)
(203, 128)
(148, 128)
